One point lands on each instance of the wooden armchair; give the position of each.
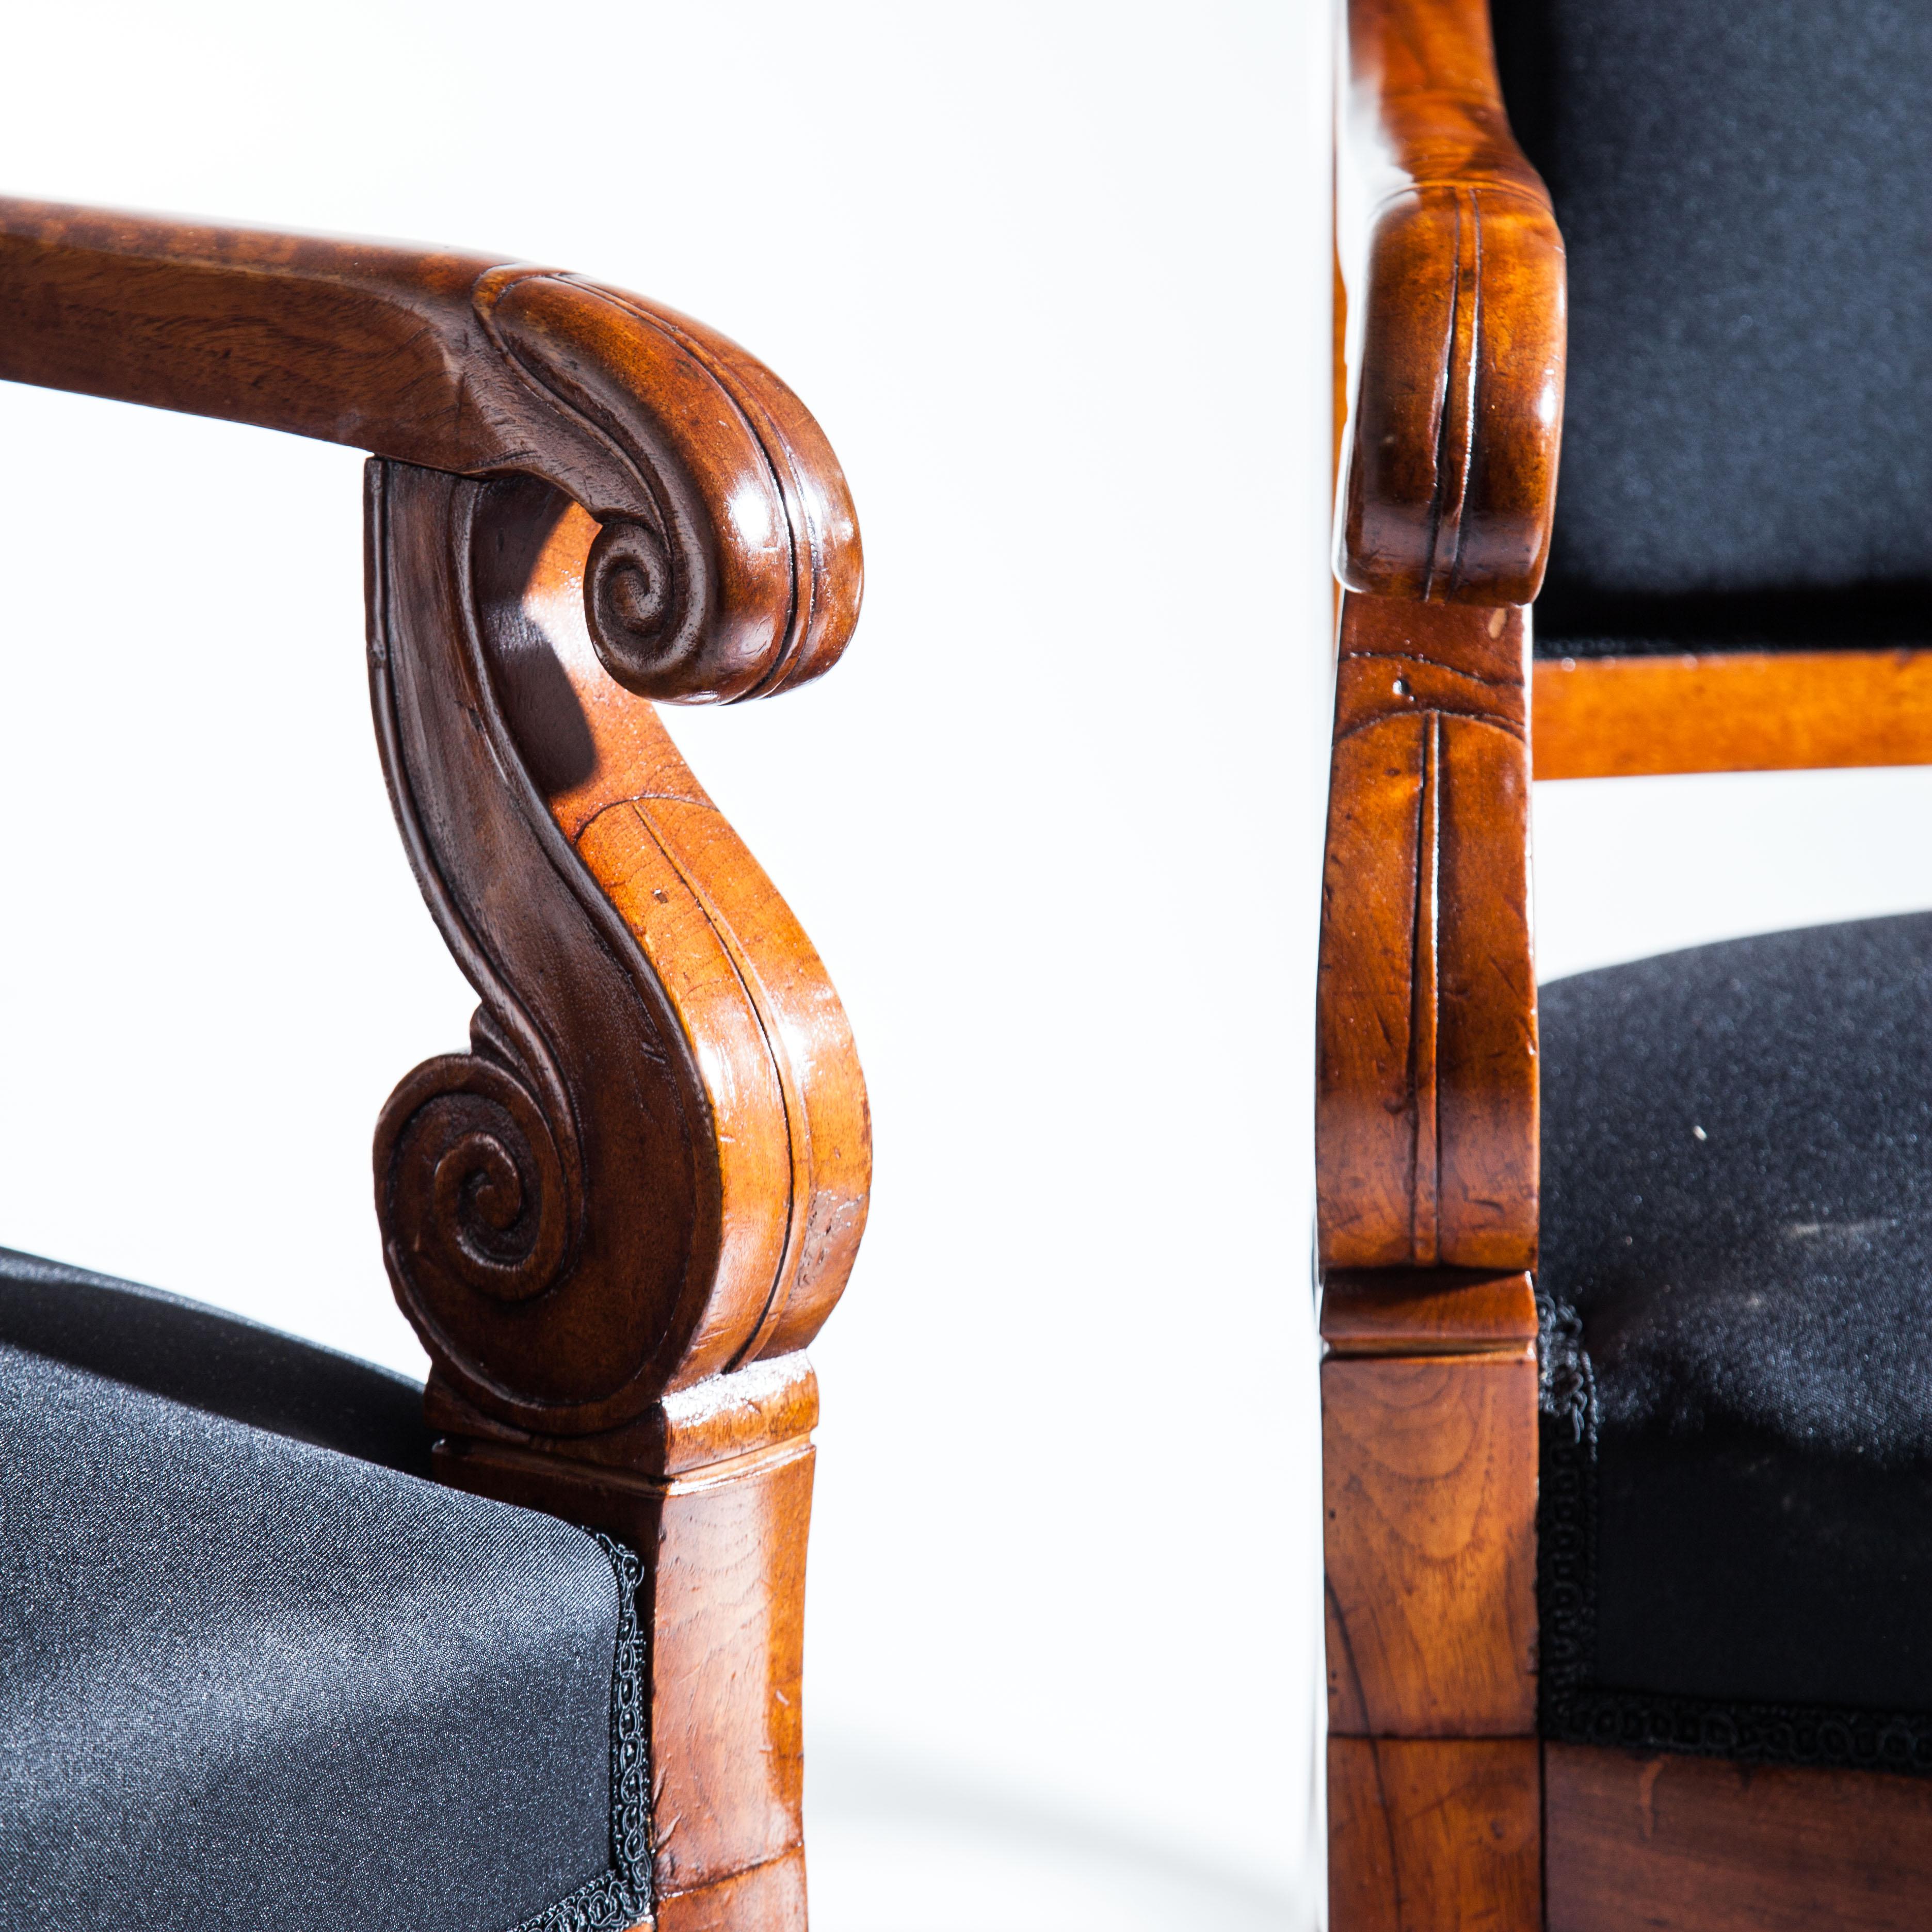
(1627, 1454)
(254, 1670)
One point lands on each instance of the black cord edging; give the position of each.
(620, 1898)
(1572, 1707)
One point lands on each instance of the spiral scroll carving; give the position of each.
(648, 628)
(728, 567)
(626, 1185)
(473, 1172)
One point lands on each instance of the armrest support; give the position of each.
(1458, 289)
(727, 565)
(1426, 1123)
(618, 1219)
(1425, 1164)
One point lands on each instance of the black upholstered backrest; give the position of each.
(1745, 190)
(207, 1359)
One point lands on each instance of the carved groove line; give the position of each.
(796, 1123)
(1445, 408)
(640, 636)
(1489, 185)
(1507, 726)
(663, 626)
(1456, 428)
(1439, 664)
(1471, 375)
(768, 438)
(1425, 994)
(485, 1177)
(613, 930)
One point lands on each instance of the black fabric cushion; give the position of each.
(1736, 1513)
(1747, 433)
(255, 1671)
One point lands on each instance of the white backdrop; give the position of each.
(1054, 277)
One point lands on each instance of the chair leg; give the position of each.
(1431, 1835)
(1429, 1496)
(617, 1220)
(720, 1523)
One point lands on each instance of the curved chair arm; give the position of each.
(1425, 1125)
(728, 563)
(1425, 1162)
(1450, 459)
(617, 1218)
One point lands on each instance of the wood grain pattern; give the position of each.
(1426, 1137)
(770, 1897)
(1689, 1844)
(728, 562)
(1428, 1490)
(652, 1166)
(1426, 1312)
(722, 1614)
(1459, 362)
(1732, 711)
(616, 1219)
(721, 1420)
(1436, 1835)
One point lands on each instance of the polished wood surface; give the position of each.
(722, 1612)
(1732, 711)
(1458, 408)
(1426, 1312)
(1429, 1835)
(1429, 1493)
(726, 563)
(1426, 1126)
(1426, 1123)
(652, 1165)
(1690, 1844)
(616, 1219)
(770, 1897)
(1426, 1144)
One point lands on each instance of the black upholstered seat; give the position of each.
(1736, 1514)
(255, 1671)
(1748, 426)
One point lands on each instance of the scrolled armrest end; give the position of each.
(1450, 477)
(729, 566)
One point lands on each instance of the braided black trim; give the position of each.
(1566, 1512)
(1572, 1707)
(1799, 1734)
(620, 1898)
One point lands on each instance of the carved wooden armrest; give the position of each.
(1457, 291)
(1426, 1096)
(1427, 1108)
(728, 562)
(617, 1218)
(1426, 1153)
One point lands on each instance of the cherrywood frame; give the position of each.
(1732, 711)
(1444, 1811)
(619, 1217)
